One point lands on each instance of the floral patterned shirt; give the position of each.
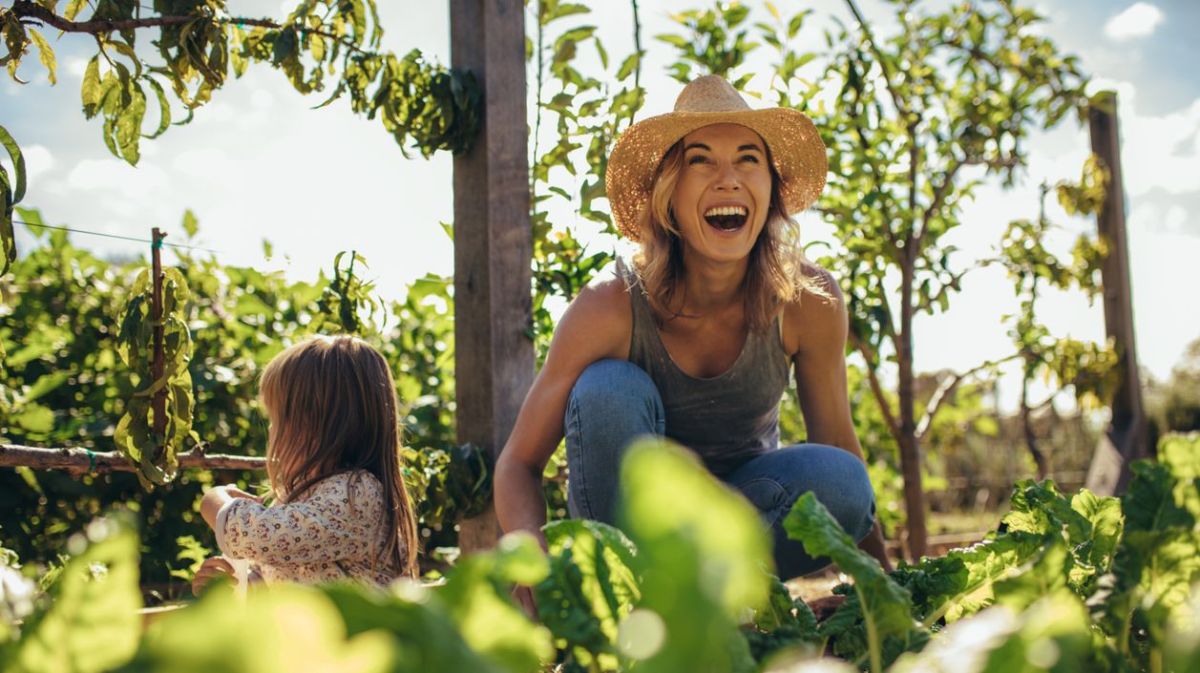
(334, 531)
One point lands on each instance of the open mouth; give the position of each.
(727, 218)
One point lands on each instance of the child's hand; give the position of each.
(235, 492)
(212, 568)
(217, 497)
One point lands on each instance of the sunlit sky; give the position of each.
(258, 164)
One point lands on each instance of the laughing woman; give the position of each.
(694, 341)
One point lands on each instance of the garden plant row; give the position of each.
(1066, 583)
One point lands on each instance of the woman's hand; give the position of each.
(213, 568)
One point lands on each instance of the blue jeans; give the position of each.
(614, 401)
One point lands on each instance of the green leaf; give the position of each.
(18, 161)
(476, 598)
(34, 418)
(72, 9)
(45, 53)
(591, 585)
(701, 550)
(887, 606)
(289, 628)
(128, 126)
(91, 624)
(46, 384)
(190, 224)
(1051, 636)
(423, 634)
(92, 92)
(164, 109)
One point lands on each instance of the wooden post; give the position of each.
(492, 239)
(1126, 437)
(159, 401)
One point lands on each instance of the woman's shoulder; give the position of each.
(599, 320)
(818, 310)
(606, 296)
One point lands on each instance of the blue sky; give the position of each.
(258, 164)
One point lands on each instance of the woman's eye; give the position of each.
(697, 159)
(751, 158)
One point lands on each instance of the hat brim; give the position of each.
(797, 154)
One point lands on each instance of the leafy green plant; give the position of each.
(198, 43)
(151, 443)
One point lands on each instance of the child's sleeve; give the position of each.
(323, 528)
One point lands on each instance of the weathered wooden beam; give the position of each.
(83, 460)
(494, 359)
(1126, 437)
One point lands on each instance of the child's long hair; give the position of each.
(332, 407)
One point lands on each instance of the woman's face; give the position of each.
(723, 194)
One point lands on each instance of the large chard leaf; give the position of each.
(1158, 558)
(91, 623)
(423, 633)
(886, 606)
(961, 583)
(1052, 635)
(288, 628)
(786, 626)
(701, 553)
(476, 596)
(591, 587)
(1090, 525)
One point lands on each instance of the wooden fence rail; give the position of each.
(83, 460)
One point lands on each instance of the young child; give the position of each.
(340, 509)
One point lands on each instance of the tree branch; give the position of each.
(877, 389)
(887, 76)
(26, 9)
(947, 388)
(939, 196)
(82, 460)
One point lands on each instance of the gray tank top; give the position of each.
(725, 419)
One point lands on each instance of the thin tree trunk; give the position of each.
(910, 454)
(1031, 440)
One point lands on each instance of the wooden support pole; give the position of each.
(492, 239)
(85, 461)
(1126, 437)
(159, 402)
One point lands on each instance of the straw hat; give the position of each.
(795, 146)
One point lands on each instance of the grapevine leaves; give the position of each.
(154, 454)
(12, 190)
(424, 106)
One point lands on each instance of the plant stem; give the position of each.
(873, 645)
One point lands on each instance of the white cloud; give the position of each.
(1139, 20)
(207, 162)
(117, 178)
(76, 67)
(38, 161)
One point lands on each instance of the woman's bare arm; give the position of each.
(815, 333)
(597, 325)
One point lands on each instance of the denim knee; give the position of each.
(613, 386)
(853, 503)
(612, 403)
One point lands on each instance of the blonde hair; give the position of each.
(775, 274)
(332, 405)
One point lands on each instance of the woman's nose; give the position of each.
(727, 178)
